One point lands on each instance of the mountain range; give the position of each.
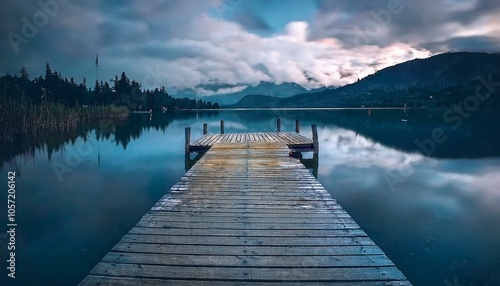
(271, 89)
(441, 80)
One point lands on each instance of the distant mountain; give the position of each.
(264, 88)
(439, 71)
(257, 101)
(441, 80)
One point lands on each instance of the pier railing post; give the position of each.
(315, 166)
(297, 126)
(187, 140)
(205, 129)
(315, 139)
(278, 125)
(222, 127)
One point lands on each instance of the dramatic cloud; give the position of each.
(417, 23)
(251, 21)
(229, 44)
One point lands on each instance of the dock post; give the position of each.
(188, 140)
(315, 139)
(205, 129)
(297, 126)
(222, 127)
(315, 166)
(278, 125)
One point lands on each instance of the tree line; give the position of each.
(54, 88)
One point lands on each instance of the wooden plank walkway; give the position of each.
(246, 214)
(293, 140)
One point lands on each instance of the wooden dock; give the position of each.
(246, 214)
(293, 140)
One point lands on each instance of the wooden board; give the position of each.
(291, 139)
(127, 281)
(247, 214)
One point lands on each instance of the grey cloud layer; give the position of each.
(187, 43)
(418, 23)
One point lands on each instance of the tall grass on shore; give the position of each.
(25, 128)
(16, 117)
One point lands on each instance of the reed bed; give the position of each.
(25, 128)
(16, 117)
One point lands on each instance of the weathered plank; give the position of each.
(248, 241)
(233, 219)
(196, 225)
(252, 204)
(248, 232)
(233, 211)
(259, 215)
(129, 281)
(213, 139)
(249, 260)
(196, 250)
(304, 274)
(289, 138)
(247, 214)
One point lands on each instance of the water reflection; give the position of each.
(438, 223)
(478, 136)
(341, 148)
(121, 133)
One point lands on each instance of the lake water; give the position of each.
(434, 209)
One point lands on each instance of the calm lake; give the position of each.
(433, 209)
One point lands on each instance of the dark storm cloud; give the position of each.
(134, 22)
(28, 31)
(481, 8)
(40, 30)
(251, 21)
(194, 43)
(419, 23)
(428, 20)
(157, 51)
(215, 87)
(356, 22)
(261, 68)
(75, 31)
(476, 43)
(348, 6)
(344, 73)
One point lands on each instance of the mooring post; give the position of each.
(315, 139)
(188, 140)
(278, 125)
(315, 166)
(297, 126)
(205, 129)
(222, 127)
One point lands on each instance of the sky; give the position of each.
(220, 46)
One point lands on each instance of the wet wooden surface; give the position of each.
(291, 139)
(246, 214)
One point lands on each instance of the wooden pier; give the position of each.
(294, 141)
(246, 214)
